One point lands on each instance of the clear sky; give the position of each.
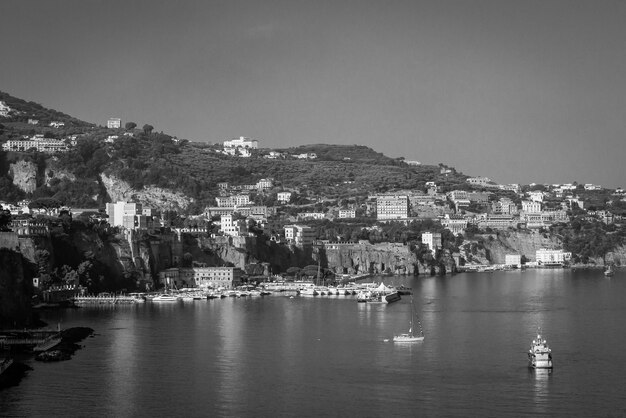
(519, 91)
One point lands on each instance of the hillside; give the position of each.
(21, 111)
(138, 159)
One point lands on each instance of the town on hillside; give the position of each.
(446, 219)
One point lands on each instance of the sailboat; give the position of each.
(409, 337)
(609, 271)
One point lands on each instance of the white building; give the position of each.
(347, 213)
(283, 197)
(299, 234)
(232, 227)
(56, 124)
(40, 144)
(530, 206)
(513, 260)
(479, 181)
(392, 207)
(432, 240)
(536, 196)
(306, 156)
(552, 257)
(264, 184)
(127, 215)
(4, 110)
(114, 123)
(311, 215)
(457, 224)
(241, 142)
(234, 200)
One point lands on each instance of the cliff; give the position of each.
(152, 196)
(371, 258)
(24, 175)
(16, 289)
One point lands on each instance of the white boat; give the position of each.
(609, 271)
(409, 337)
(380, 294)
(165, 298)
(308, 291)
(539, 355)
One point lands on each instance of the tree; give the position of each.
(5, 220)
(147, 129)
(130, 126)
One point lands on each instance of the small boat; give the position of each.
(165, 298)
(409, 337)
(308, 291)
(539, 355)
(609, 271)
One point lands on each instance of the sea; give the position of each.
(283, 356)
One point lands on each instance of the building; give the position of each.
(306, 156)
(5, 110)
(498, 222)
(56, 124)
(513, 260)
(504, 206)
(127, 215)
(241, 142)
(217, 277)
(479, 181)
(432, 240)
(264, 184)
(232, 227)
(234, 200)
(347, 213)
(536, 196)
(299, 234)
(38, 143)
(552, 257)
(204, 277)
(510, 187)
(311, 215)
(33, 121)
(457, 224)
(114, 123)
(29, 227)
(531, 206)
(283, 197)
(482, 198)
(392, 207)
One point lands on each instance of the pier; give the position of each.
(38, 340)
(107, 300)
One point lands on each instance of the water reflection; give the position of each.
(541, 389)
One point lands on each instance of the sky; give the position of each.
(519, 91)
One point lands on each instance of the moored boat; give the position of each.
(539, 355)
(609, 271)
(166, 298)
(410, 337)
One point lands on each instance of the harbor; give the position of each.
(266, 356)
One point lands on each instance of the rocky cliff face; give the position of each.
(372, 258)
(24, 175)
(16, 289)
(154, 197)
(53, 171)
(616, 257)
(517, 242)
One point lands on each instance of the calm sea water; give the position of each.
(281, 356)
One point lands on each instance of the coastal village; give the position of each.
(295, 217)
